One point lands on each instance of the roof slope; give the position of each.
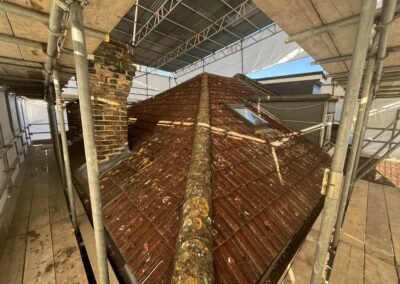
(265, 187)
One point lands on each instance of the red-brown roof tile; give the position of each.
(263, 195)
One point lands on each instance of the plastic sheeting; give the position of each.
(38, 119)
(148, 85)
(383, 113)
(269, 50)
(264, 54)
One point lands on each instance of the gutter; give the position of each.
(294, 98)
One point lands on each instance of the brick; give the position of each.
(110, 82)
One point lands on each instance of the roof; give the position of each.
(301, 16)
(298, 76)
(386, 172)
(265, 187)
(174, 34)
(293, 84)
(305, 87)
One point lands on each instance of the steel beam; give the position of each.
(228, 19)
(82, 78)
(162, 15)
(360, 50)
(209, 20)
(241, 16)
(161, 33)
(158, 16)
(156, 43)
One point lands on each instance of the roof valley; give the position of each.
(194, 251)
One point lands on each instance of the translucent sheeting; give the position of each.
(258, 56)
(38, 119)
(148, 85)
(270, 52)
(383, 112)
(266, 52)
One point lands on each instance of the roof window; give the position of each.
(249, 116)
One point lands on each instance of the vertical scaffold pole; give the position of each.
(54, 132)
(388, 12)
(366, 96)
(64, 143)
(336, 172)
(82, 78)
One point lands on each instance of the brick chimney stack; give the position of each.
(110, 79)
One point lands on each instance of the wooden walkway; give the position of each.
(41, 246)
(369, 247)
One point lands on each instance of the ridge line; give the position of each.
(194, 250)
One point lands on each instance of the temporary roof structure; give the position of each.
(170, 35)
(264, 184)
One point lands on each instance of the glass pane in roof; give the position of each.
(248, 115)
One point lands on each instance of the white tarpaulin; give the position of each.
(38, 119)
(260, 51)
(148, 85)
(264, 54)
(383, 113)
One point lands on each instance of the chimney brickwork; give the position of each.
(110, 80)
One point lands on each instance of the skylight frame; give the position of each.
(261, 125)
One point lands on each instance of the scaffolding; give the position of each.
(370, 50)
(369, 53)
